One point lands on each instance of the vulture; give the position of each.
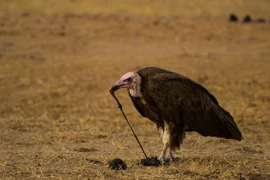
(176, 104)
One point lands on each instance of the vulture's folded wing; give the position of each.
(183, 101)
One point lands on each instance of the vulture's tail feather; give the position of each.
(215, 122)
(228, 125)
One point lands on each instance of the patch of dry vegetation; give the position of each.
(57, 118)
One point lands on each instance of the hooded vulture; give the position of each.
(176, 104)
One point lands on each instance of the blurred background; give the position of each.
(186, 8)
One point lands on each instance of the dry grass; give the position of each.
(55, 76)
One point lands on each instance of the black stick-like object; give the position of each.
(120, 107)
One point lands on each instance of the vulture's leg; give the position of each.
(166, 154)
(161, 133)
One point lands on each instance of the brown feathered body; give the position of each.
(177, 104)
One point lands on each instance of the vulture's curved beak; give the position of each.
(114, 88)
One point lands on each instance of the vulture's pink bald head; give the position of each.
(126, 81)
(131, 81)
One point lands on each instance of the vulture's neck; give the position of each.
(136, 90)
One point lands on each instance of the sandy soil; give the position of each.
(57, 115)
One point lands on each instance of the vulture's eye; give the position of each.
(129, 79)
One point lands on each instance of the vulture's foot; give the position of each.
(165, 160)
(166, 156)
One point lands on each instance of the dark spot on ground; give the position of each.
(85, 149)
(94, 161)
(150, 161)
(233, 18)
(260, 20)
(247, 19)
(117, 164)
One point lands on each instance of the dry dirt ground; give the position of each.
(57, 115)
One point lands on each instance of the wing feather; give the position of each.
(182, 100)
